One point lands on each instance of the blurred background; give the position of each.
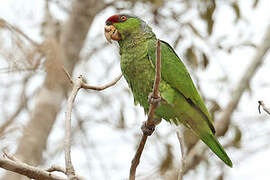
(224, 44)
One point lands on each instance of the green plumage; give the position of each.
(183, 104)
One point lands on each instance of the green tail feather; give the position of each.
(214, 145)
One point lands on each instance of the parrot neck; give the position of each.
(138, 35)
(135, 39)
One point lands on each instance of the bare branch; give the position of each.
(85, 86)
(69, 167)
(182, 166)
(26, 170)
(97, 88)
(151, 122)
(68, 75)
(20, 107)
(17, 30)
(77, 85)
(11, 119)
(136, 159)
(266, 109)
(56, 168)
(10, 157)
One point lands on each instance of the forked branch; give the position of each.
(11, 163)
(77, 85)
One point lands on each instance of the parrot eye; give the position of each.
(123, 18)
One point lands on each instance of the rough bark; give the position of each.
(51, 94)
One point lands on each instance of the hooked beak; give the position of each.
(111, 33)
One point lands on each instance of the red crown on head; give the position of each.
(112, 19)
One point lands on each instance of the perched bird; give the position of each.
(181, 102)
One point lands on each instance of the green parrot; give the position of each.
(181, 102)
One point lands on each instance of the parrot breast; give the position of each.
(138, 72)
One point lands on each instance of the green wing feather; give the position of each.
(175, 73)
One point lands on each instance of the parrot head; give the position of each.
(119, 27)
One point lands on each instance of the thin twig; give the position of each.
(100, 88)
(68, 75)
(17, 30)
(266, 109)
(150, 123)
(10, 157)
(20, 107)
(56, 168)
(182, 166)
(11, 119)
(97, 88)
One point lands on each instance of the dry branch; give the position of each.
(149, 126)
(56, 168)
(11, 119)
(100, 88)
(77, 85)
(20, 107)
(12, 28)
(13, 164)
(182, 165)
(26, 170)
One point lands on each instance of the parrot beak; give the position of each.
(111, 33)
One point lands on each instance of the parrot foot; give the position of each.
(147, 130)
(154, 100)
